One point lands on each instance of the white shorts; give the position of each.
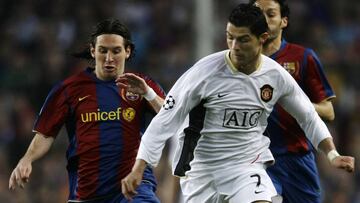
(243, 184)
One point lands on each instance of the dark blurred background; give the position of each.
(37, 38)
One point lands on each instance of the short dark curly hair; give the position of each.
(248, 15)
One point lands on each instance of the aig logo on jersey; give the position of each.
(241, 118)
(266, 93)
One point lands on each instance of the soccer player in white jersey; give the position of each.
(224, 101)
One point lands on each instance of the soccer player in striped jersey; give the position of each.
(103, 110)
(294, 174)
(224, 101)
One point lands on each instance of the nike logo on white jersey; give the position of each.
(221, 95)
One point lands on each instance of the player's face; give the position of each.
(110, 55)
(271, 10)
(245, 48)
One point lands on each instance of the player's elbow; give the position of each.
(325, 110)
(329, 116)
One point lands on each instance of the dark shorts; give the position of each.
(146, 193)
(296, 178)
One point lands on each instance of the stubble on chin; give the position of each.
(269, 40)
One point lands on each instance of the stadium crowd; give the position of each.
(38, 38)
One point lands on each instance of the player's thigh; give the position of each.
(253, 186)
(197, 189)
(302, 184)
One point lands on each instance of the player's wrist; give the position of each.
(332, 155)
(139, 166)
(150, 94)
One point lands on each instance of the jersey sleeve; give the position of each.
(317, 86)
(53, 113)
(183, 96)
(295, 102)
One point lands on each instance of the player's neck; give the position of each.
(272, 46)
(251, 67)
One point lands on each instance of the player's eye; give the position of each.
(229, 37)
(117, 50)
(102, 50)
(271, 14)
(244, 39)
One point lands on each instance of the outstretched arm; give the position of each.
(137, 85)
(37, 148)
(299, 106)
(342, 162)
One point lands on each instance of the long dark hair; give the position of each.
(109, 26)
(284, 10)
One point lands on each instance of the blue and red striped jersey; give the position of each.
(104, 124)
(302, 63)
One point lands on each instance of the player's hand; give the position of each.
(132, 83)
(20, 175)
(344, 162)
(130, 183)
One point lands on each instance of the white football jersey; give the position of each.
(220, 114)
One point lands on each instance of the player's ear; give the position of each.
(284, 22)
(263, 37)
(128, 52)
(92, 50)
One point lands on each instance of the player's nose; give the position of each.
(109, 56)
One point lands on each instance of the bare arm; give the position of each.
(38, 147)
(325, 110)
(137, 85)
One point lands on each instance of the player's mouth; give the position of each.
(238, 56)
(109, 68)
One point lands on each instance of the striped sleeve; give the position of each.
(53, 112)
(318, 87)
(300, 107)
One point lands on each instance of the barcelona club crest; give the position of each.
(129, 96)
(290, 66)
(266, 93)
(132, 96)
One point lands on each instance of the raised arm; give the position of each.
(38, 147)
(137, 85)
